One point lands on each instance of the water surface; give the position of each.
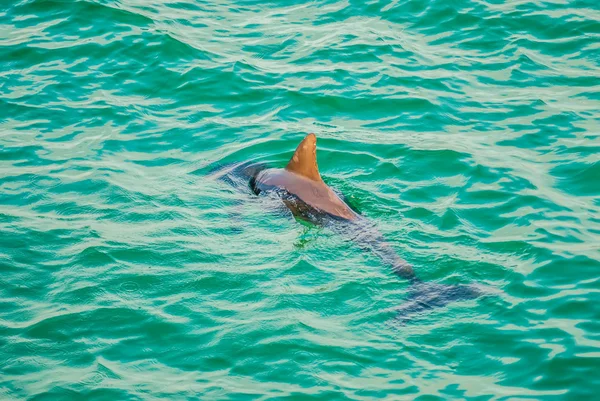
(467, 131)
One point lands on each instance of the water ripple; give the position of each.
(467, 132)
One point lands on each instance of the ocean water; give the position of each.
(467, 131)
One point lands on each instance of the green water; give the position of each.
(468, 131)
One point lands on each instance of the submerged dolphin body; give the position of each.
(300, 187)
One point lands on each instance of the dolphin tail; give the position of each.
(425, 296)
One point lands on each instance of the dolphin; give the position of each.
(302, 190)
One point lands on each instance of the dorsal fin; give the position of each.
(304, 161)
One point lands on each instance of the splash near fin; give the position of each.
(304, 161)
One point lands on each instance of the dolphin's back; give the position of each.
(315, 194)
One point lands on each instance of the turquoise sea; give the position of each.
(467, 131)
